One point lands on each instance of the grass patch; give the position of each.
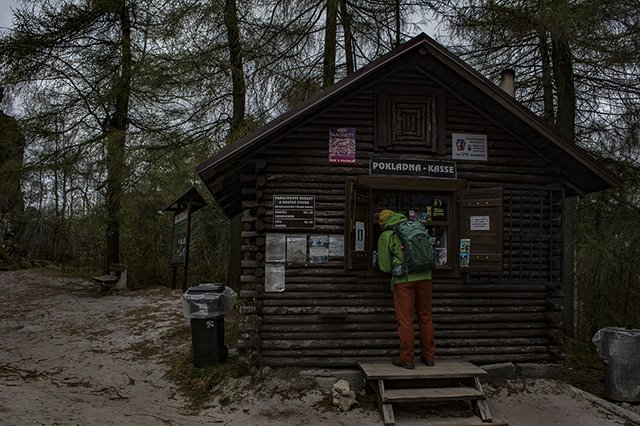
(232, 330)
(583, 367)
(200, 385)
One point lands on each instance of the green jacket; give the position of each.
(390, 252)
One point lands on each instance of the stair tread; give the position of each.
(463, 421)
(432, 394)
(443, 369)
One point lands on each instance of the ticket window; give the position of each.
(451, 213)
(432, 209)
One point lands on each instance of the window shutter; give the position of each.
(358, 227)
(481, 222)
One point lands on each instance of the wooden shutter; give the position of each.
(357, 211)
(481, 222)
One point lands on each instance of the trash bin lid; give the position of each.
(207, 288)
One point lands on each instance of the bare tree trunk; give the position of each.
(397, 18)
(236, 130)
(565, 123)
(547, 78)
(116, 140)
(329, 59)
(237, 70)
(566, 92)
(348, 37)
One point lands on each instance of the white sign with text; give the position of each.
(469, 147)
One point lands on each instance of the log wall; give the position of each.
(328, 317)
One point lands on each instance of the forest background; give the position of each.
(108, 106)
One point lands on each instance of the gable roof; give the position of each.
(223, 168)
(190, 196)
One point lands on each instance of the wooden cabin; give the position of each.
(416, 131)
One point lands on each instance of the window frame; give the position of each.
(488, 257)
(452, 189)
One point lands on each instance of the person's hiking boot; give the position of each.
(428, 362)
(400, 363)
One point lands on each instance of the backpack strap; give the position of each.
(395, 232)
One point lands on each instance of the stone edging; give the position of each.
(616, 409)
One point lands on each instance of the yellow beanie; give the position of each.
(384, 216)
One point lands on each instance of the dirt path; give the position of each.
(69, 356)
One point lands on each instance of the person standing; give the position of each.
(409, 291)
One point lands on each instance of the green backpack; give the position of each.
(416, 246)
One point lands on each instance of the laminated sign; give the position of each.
(479, 223)
(469, 147)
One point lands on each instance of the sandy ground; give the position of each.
(69, 356)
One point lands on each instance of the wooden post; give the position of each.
(185, 271)
(174, 277)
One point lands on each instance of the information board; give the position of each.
(294, 211)
(179, 240)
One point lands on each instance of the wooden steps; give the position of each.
(433, 394)
(448, 380)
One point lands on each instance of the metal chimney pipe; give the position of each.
(508, 81)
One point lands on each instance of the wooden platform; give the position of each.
(448, 380)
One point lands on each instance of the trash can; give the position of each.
(620, 350)
(205, 306)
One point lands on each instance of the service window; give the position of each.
(450, 212)
(430, 208)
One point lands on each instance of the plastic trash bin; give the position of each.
(620, 350)
(205, 306)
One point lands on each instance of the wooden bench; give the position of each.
(116, 278)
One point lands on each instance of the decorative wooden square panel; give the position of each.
(409, 121)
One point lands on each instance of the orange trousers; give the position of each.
(406, 296)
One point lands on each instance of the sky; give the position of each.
(5, 12)
(7, 5)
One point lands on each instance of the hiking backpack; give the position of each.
(416, 246)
